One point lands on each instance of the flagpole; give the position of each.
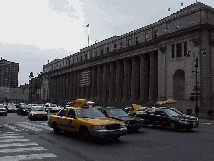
(88, 26)
(88, 39)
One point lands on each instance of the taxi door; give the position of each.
(72, 120)
(62, 119)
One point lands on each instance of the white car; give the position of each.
(53, 108)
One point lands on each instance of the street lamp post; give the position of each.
(196, 88)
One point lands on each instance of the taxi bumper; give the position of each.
(108, 133)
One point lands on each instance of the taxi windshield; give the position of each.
(116, 112)
(89, 113)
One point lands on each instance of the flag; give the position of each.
(87, 25)
(168, 9)
(85, 78)
(182, 4)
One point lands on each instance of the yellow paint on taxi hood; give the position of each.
(100, 121)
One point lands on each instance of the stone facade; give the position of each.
(144, 65)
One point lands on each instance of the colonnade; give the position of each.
(133, 78)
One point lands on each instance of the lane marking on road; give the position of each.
(27, 157)
(41, 126)
(11, 127)
(22, 149)
(29, 127)
(17, 144)
(10, 137)
(13, 140)
(9, 134)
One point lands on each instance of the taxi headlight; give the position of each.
(122, 125)
(31, 114)
(97, 127)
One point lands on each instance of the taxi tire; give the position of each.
(115, 137)
(84, 134)
(56, 129)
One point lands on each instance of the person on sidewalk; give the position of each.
(210, 113)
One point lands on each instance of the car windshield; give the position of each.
(1, 106)
(53, 105)
(25, 107)
(36, 108)
(89, 113)
(177, 111)
(116, 112)
(171, 113)
(11, 106)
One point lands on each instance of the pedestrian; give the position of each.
(210, 113)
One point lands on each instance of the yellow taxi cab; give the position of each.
(86, 121)
(136, 108)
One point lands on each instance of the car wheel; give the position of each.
(188, 129)
(56, 129)
(172, 126)
(115, 137)
(84, 134)
(144, 124)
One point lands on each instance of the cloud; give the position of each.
(45, 24)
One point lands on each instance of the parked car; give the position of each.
(23, 109)
(53, 108)
(3, 110)
(166, 117)
(132, 123)
(196, 123)
(37, 112)
(11, 108)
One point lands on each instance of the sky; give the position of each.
(34, 32)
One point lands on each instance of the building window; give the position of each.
(121, 44)
(173, 51)
(107, 49)
(95, 53)
(146, 36)
(179, 53)
(185, 48)
(129, 42)
(156, 33)
(137, 42)
(101, 51)
(115, 47)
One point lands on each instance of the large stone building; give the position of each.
(144, 65)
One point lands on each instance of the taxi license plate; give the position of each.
(40, 117)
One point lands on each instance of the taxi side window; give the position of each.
(71, 113)
(63, 112)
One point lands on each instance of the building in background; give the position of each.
(143, 66)
(9, 73)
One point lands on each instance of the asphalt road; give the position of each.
(22, 139)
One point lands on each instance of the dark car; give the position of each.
(132, 123)
(23, 109)
(37, 112)
(166, 118)
(11, 108)
(196, 123)
(3, 110)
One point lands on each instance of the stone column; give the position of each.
(75, 85)
(104, 86)
(78, 84)
(142, 77)
(133, 79)
(99, 82)
(118, 79)
(111, 82)
(93, 83)
(151, 76)
(126, 79)
(71, 86)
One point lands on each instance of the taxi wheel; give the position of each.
(56, 129)
(172, 126)
(84, 134)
